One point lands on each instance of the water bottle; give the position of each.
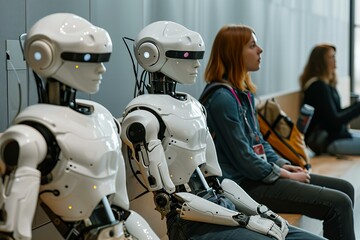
(306, 113)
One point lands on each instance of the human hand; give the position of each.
(292, 168)
(301, 176)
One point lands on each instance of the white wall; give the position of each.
(286, 29)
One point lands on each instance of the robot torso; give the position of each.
(88, 162)
(185, 136)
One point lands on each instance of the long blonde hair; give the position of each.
(226, 59)
(317, 66)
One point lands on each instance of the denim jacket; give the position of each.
(235, 128)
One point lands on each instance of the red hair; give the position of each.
(226, 58)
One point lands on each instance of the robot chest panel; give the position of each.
(88, 160)
(185, 137)
(185, 147)
(184, 120)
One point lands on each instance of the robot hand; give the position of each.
(265, 212)
(267, 227)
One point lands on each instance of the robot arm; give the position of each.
(212, 167)
(139, 132)
(195, 208)
(249, 206)
(139, 228)
(22, 148)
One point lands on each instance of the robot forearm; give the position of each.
(239, 197)
(195, 208)
(246, 204)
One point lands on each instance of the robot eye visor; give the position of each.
(185, 54)
(86, 57)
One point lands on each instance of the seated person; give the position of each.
(250, 161)
(328, 131)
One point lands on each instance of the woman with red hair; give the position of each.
(247, 158)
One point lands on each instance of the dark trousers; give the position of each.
(188, 230)
(325, 198)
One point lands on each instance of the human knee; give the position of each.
(347, 188)
(341, 201)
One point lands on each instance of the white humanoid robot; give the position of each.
(168, 141)
(65, 151)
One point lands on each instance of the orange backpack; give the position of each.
(282, 134)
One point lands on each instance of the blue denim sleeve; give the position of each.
(271, 155)
(233, 141)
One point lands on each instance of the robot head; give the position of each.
(69, 49)
(171, 49)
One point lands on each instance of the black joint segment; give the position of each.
(136, 133)
(11, 153)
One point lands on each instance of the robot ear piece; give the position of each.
(39, 55)
(148, 54)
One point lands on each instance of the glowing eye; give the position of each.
(87, 57)
(186, 55)
(76, 66)
(69, 207)
(94, 187)
(146, 54)
(37, 56)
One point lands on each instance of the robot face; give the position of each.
(181, 70)
(88, 76)
(85, 68)
(70, 49)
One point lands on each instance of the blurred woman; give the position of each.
(328, 130)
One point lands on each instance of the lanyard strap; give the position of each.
(252, 113)
(236, 96)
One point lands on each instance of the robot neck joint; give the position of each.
(161, 84)
(63, 95)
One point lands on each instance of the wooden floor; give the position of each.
(345, 167)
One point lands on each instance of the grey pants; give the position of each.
(347, 146)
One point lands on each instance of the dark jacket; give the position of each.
(234, 127)
(328, 114)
